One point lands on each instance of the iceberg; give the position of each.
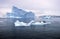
(21, 15)
(40, 23)
(18, 23)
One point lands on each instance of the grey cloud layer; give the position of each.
(42, 5)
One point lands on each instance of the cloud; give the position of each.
(34, 5)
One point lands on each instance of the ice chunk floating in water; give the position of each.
(40, 23)
(17, 23)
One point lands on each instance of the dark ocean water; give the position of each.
(49, 31)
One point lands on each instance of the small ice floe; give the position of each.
(40, 23)
(18, 23)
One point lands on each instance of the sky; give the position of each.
(39, 7)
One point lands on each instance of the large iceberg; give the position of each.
(21, 15)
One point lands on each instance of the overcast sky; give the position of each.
(49, 7)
